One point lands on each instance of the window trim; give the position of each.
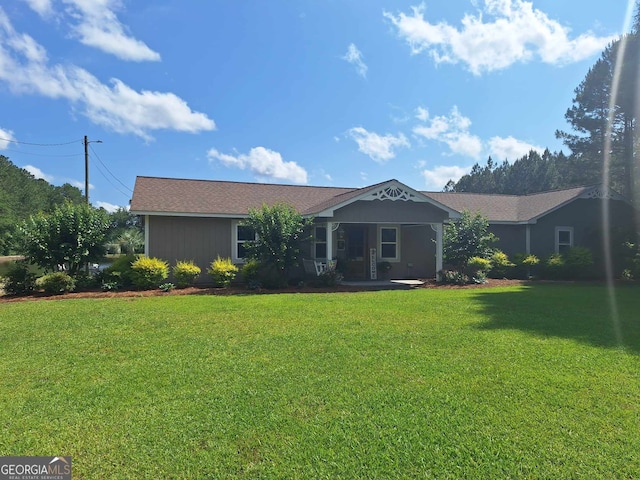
(396, 243)
(234, 241)
(321, 242)
(557, 238)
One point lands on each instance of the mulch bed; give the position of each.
(240, 291)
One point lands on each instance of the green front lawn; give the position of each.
(522, 382)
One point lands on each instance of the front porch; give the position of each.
(366, 252)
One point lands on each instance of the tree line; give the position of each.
(602, 139)
(23, 195)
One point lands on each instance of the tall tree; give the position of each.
(605, 112)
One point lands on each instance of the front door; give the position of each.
(356, 252)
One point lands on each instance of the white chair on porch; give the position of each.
(313, 267)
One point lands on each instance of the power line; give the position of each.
(20, 152)
(107, 169)
(39, 144)
(110, 182)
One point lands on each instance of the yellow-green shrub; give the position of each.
(478, 264)
(223, 271)
(149, 272)
(185, 273)
(500, 265)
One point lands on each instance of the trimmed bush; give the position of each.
(57, 283)
(251, 274)
(185, 273)
(525, 265)
(478, 264)
(223, 271)
(19, 280)
(119, 272)
(453, 277)
(555, 267)
(579, 263)
(149, 272)
(501, 267)
(330, 277)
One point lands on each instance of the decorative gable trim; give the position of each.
(602, 193)
(394, 192)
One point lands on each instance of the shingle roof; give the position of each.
(509, 208)
(221, 198)
(210, 197)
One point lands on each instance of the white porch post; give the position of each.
(438, 230)
(146, 235)
(329, 241)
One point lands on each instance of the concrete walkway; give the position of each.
(385, 284)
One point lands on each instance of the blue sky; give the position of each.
(319, 92)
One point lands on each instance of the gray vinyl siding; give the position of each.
(512, 239)
(417, 253)
(388, 211)
(585, 216)
(184, 238)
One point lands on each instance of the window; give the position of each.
(389, 240)
(320, 242)
(241, 235)
(564, 239)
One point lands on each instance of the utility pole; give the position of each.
(86, 167)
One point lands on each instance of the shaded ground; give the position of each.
(241, 291)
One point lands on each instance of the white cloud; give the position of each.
(95, 24)
(354, 57)
(510, 148)
(6, 137)
(98, 26)
(379, 148)
(422, 114)
(36, 172)
(263, 163)
(25, 69)
(109, 207)
(438, 177)
(454, 131)
(44, 8)
(76, 183)
(502, 33)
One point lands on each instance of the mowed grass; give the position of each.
(521, 382)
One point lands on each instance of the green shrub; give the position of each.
(149, 272)
(330, 277)
(185, 273)
(86, 281)
(19, 280)
(453, 277)
(501, 267)
(251, 274)
(478, 264)
(579, 263)
(57, 282)
(120, 271)
(223, 271)
(167, 287)
(271, 278)
(525, 265)
(555, 267)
